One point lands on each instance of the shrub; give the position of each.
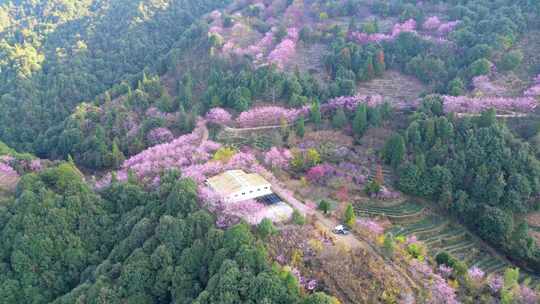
(298, 218)
(324, 206)
(511, 60)
(266, 228)
(349, 217)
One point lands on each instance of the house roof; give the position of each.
(235, 180)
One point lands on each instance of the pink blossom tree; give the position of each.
(218, 116)
(7, 171)
(159, 136)
(277, 158)
(465, 104)
(534, 90)
(268, 116)
(476, 274)
(432, 23)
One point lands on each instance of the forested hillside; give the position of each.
(62, 243)
(57, 54)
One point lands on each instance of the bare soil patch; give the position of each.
(7, 184)
(394, 86)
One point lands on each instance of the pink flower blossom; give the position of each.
(277, 158)
(527, 295)
(476, 274)
(363, 38)
(7, 171)
(283, 52)
(447, 27)
(350, 103)
(370, 225)
(432, 23)
(218, 116)
(464, 104)
(445, 271)
(268, 116)
(320, 173)
(36, 165)
(311, 285)
(159, 135)
(215, 15)
(484, 85)
(495, 283)
(534, 90)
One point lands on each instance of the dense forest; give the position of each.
(412, 125)
(63, 243)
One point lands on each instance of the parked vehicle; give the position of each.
(340, 229)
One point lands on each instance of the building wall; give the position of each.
(249, 193)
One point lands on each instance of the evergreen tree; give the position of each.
(117, 155)
(340, 119)
(360, 121)
(349, 217)
(379, 65)
(324, 206)
(300, 127)
(316, 114)
(394, 150)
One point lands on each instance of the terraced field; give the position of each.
(439, 234)
(405, 212)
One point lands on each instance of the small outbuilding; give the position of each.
(237, 185)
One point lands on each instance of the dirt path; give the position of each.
(356, 241)
(351, 241)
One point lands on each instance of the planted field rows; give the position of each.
(438, 234)
(404, 212)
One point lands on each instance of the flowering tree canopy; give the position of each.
(218, 116)
(269, 116)
(476, 274)
(277, 158)
(350, 103)
(482, 84)
(398, 28)
(464, 104)
(285, 50)
(7, 171)
(159, 136)
(534, 90)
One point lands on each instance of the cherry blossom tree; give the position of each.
(482, 84)
(285, 50)
(7, 171)
(269, 116)
(159, 136)
(534, 90)
(495, 283)
(432, 23)
(364, 38)
(465, 104)
(350, 103)
(370, 225)
(218, 116)
(476, 274)
(440, 290)
(320, 173)
(278, 158)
